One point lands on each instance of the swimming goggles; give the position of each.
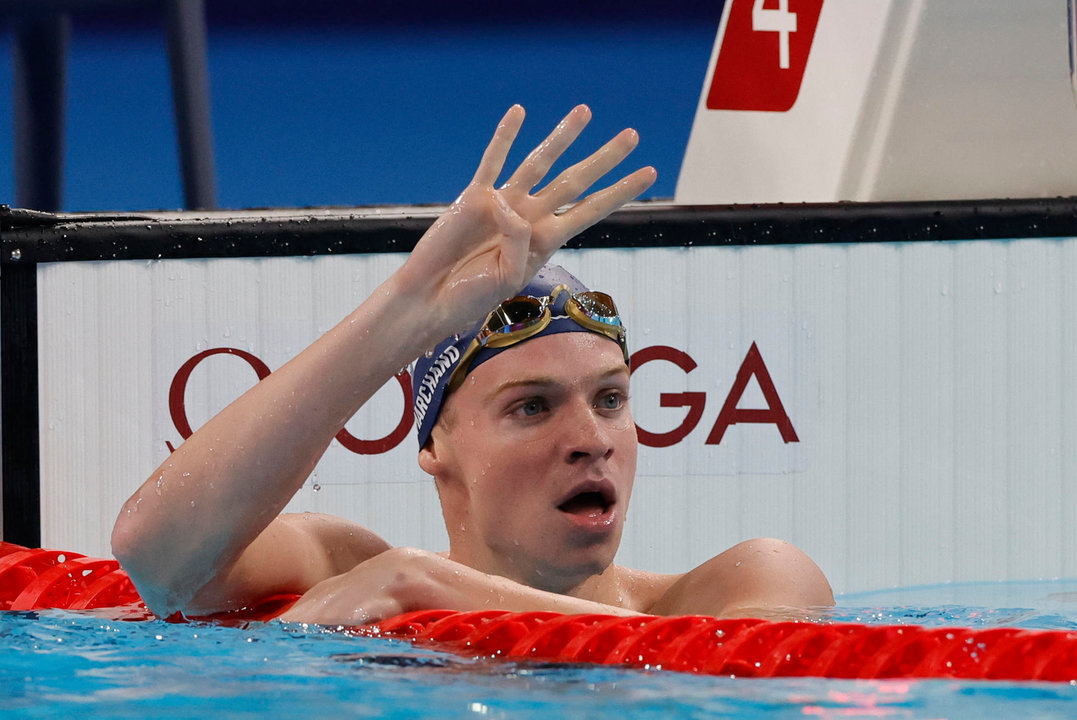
(523, 316)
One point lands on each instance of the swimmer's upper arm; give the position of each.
(293, 554)
(762, 577)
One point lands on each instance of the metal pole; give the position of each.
(186, 25)
(40, 52)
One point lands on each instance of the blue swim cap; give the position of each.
(430, 377)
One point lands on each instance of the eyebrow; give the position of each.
(544, 381)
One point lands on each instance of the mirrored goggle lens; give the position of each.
(599, 307)
(514, 314)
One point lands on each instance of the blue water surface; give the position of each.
(61, 664)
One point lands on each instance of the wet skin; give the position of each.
(535, 457)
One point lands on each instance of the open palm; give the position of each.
(490, 241)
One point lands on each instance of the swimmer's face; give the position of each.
(535, 456)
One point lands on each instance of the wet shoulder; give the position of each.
(643, 589)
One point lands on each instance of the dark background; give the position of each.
(338, 103)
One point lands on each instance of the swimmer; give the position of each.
(523, 422)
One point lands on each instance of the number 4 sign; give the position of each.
(763, 55)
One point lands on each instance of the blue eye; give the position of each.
(531, 407)
(611, 401)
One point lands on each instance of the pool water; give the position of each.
(64, 664)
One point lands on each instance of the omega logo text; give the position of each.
(752, 366)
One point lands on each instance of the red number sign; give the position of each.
(763, 55)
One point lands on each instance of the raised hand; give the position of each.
(201, 531)
(492, 240)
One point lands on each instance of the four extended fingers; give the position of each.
(574, 180)
(541, 159)
(571, 182)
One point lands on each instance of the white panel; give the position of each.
(913, 100)
(962, 125)
(1067, 424)
(981, 442)
(822, 522)
(926, 418)
(929, 384)
(1033, 378)
(749, 156)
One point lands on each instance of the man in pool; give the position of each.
(525, 427)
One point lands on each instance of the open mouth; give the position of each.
(589, 503)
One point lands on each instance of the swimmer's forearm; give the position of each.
(459, 587)
(199, 510)
(406, 579)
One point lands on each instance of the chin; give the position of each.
(569, 576)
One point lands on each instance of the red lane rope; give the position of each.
(40, 579)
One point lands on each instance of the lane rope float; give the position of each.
(36, 579)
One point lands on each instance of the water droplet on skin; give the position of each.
(192, 503)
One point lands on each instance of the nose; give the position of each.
(586, 433)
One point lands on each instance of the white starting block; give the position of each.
(832, 100)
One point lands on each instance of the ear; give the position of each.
(429, 460)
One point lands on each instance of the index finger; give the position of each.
(541, 159)
(493, 159)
